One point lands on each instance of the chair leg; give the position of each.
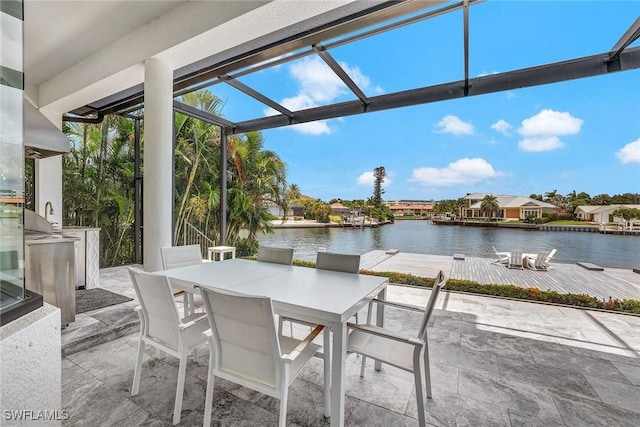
(208, 401)
(427, 370)
(364, 361)
(135, 388)
(185, 301)
(417, 373)
(192, 304)
(326, 335)
(282, 420)
(182, 370)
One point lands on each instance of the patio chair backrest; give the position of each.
(180, 256)
(541, 260)
(550, 255)
(159, 310)
(245, 339)
(275, 255)
(516, 259)
(439, 283)
(346, 263)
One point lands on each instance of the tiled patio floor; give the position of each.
(495, 362)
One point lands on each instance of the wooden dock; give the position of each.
(563, 278)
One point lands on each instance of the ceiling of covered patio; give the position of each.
(102, 74)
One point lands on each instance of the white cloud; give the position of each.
(540, 143)
(550, 123)
(301, 102)
(366, 179)
(511, 94)
(462, 171)
(319, 127)
(319, 85)
(503, 127)
(630, 153)
(542, 130)
(453, 124)
(318, 82)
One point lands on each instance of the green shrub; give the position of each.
(244, 249)
(507, 291)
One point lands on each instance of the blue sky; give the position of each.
(581, 135)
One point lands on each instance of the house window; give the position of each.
(528, 213)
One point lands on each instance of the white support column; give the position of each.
(158, 152)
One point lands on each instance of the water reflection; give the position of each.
(421, 237)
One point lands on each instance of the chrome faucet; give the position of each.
(48, 211)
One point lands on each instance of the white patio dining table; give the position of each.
(323, 297)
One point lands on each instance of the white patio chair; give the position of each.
(162, 327)
(539, 262)
(409, 353)
(275, 255)
(515, 260)
(550, 256)
(347, 263)
(183, 256)
(247, 350)
(503, 257)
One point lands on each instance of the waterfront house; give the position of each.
(293, 210)
(417, 209)
(512, 208)
(601, 213)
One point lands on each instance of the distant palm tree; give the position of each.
(489, 205)
(293, 192)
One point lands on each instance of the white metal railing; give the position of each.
(192, 236)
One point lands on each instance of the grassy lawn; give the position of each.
(569, 222)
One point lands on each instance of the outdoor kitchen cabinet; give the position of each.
(50, 272)
(87, 255)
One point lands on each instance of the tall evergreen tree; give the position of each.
(379, 174)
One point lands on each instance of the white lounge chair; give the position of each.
(515, 260)
(539, 262)
(550, 256)
(503, 257)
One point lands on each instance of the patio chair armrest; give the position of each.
(397, 305)
(303, 344)
(190, 323)
(384, 333)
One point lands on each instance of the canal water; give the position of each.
(606, 250)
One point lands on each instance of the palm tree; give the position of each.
(489, 205)
(98, 176)
(196, 155)
(257, 178)
(293, 192)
